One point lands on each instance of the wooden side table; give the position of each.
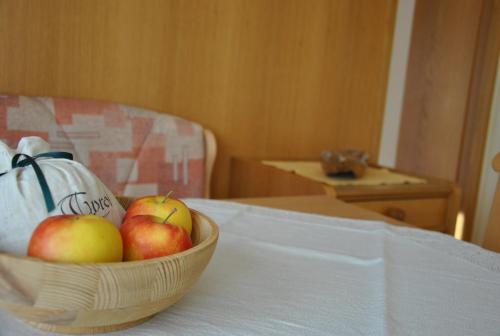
(433, 205)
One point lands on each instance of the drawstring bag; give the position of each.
(36, 183)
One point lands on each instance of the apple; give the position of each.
(161, 206)
(76, 239)
(146, 237)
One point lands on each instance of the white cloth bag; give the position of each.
(73, 188)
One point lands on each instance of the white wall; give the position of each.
(489, 177)
(396, 85)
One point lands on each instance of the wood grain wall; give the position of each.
(271, 78)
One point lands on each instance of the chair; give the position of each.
(492, 235)
(210, 155)
(134, 151)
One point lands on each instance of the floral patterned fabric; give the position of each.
(134, 151)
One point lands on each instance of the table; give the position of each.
(433, 205)
(278, 272)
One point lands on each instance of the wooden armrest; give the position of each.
(210, 155)
(496, 162)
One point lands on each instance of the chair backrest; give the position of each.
(134, 151)
(492, 235)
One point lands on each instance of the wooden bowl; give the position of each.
(92, 298)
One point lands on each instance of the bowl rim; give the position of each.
(212, 238)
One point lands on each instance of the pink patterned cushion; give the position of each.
(134, 151)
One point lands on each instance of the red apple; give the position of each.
(161, 206)
(77, 239)
(146, 237)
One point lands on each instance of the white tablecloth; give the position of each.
(285, 273)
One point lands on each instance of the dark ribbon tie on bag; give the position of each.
(31, 161)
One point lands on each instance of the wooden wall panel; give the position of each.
(478, 109)
(271, 78)
(437, 86)
(454, 52)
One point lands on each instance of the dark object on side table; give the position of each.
(347, 163)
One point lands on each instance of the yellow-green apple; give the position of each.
(146, 237)
(161, 206)
(76, 239)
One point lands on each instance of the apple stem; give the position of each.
(168, 195)
(174, 210)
